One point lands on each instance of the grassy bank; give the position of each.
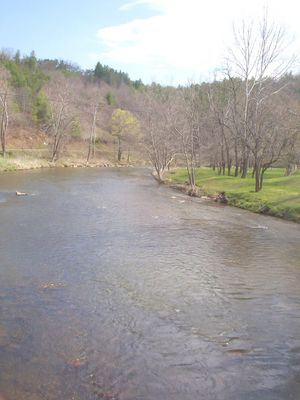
(27, 162)
(13, 164)
(279, 197)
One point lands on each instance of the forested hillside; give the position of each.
(55, 109)
(246, 120)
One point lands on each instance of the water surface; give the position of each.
(113, 287)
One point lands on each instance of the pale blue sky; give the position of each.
(169, 41)
(60, 28)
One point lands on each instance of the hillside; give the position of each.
(57, 111)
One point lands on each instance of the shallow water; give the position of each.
(113, 287)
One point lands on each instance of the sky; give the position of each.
(166, 41)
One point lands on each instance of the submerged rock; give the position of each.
(4, 339)
(53, 285)
(77, 363)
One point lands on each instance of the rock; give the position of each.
(77, 363)
(221, 198)
(21, 194)
(53, 285)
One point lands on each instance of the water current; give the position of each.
(115, 287)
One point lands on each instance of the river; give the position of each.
(115, 287)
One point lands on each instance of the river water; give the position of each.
(114, 287)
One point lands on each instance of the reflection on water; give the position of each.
(113, 287)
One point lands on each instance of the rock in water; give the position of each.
(20, 194)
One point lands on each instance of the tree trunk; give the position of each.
(91, 149)
(4, 124)
(262, 177)
(257, 178)
(119, 149)
(128, 156)
(244, 166)
(236, 159)
(229, 165)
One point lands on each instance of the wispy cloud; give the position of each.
(185, 38)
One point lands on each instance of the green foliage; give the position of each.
(125, 126)
(31, 61)
(138, 84)
(18, 78)
(28, 80)
(110, 99)
(123, 123)
(17, 57)
(25, 75)
(75, 130)
(41, 109)
(111, 76)
(68, 67)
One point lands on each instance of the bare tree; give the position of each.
(154, 114)
(3, 109)
(226, 138)
(268, 142)
(188, 127)
(258, 60)
(92, 138)
(60, 114)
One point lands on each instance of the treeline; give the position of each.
(113, 77)
(245, 121)
(205, 125)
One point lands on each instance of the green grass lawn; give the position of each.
(280, 195)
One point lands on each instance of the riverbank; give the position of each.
(25, 163)
(279, 197)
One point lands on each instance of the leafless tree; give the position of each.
(92, 138)
(60, 114)
(4, 119)
(188, 120)
(257, 61)
(223, 128)
(154, 113)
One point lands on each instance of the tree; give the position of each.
(41, 110)
(153, 111)
(17, 57)
(223, 130)
(60, 114)
(257, 59)
(3, 108)
(31, 61)
(27, 80)
(124, 125)
(92, 138)
(110, 75)
(187, 123)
